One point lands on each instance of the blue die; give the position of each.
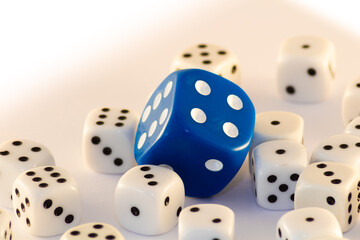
(199, 124)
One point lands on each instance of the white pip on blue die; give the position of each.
(353, 127)
(108, 139)
(206, 221)
(277, 167)
(332, 186)
(46, 201)
(6, 225)
(308, 223)
(16, 156)
(211, 58)
(342, 148)
(305, 69)
(276, 125)
(95, 230)
(350, 108)
(149, 199)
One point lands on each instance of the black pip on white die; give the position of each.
(211, 58)
(96, 231)
(277, 165)
(332, 186)
(46, 200)
(17, 155)
(108, 139)
(149, 199)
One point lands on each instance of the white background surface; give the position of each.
(60, 60)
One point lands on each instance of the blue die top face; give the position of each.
(201, 125)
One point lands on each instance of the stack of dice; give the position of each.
(193, 136)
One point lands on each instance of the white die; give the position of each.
(148, 199)
(46, 201)
(332, 186)
(277, 167)
(211, 58)
(6, 225)
(342, 148)
(307, 223)
(350, 103)
(276, 125)
(329, 238)
(92, 231)
(16, 156)
(108, 140)
(305, 70)
(353, 127)
(206, 221)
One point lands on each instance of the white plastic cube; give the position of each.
(307, 223)
(353, 127)
(211, 58)
(46, 201)
(108, 140)
(342, 148)
(332, 186)
(16, 156)
(305, 69)
(6, 225)
(276, 125)
(350, 103)
(149, 199)
(206, 221)
(92, 231)
(277, 167)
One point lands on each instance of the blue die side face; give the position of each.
(206, 133)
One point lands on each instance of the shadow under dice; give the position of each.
(149, 199)
(199, 124)
(211, 58)
(277, 167)
(46, 201)
(206, 221)
(108, 140)
(332, 186)
(305, 71)
(17, 156)
(96, 231)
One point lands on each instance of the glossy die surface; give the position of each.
(6, 225)
(206, 221)
(350, 103)
(332, 186)
(46, 201)
(276, 125)
(307, 223)
(211, 58)
(305, 71)
(277, 167)
(16, 156)
(108, 139)
(353, 127)
(342, 148)
(96, 231)
(201, 125)
(148, 199)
